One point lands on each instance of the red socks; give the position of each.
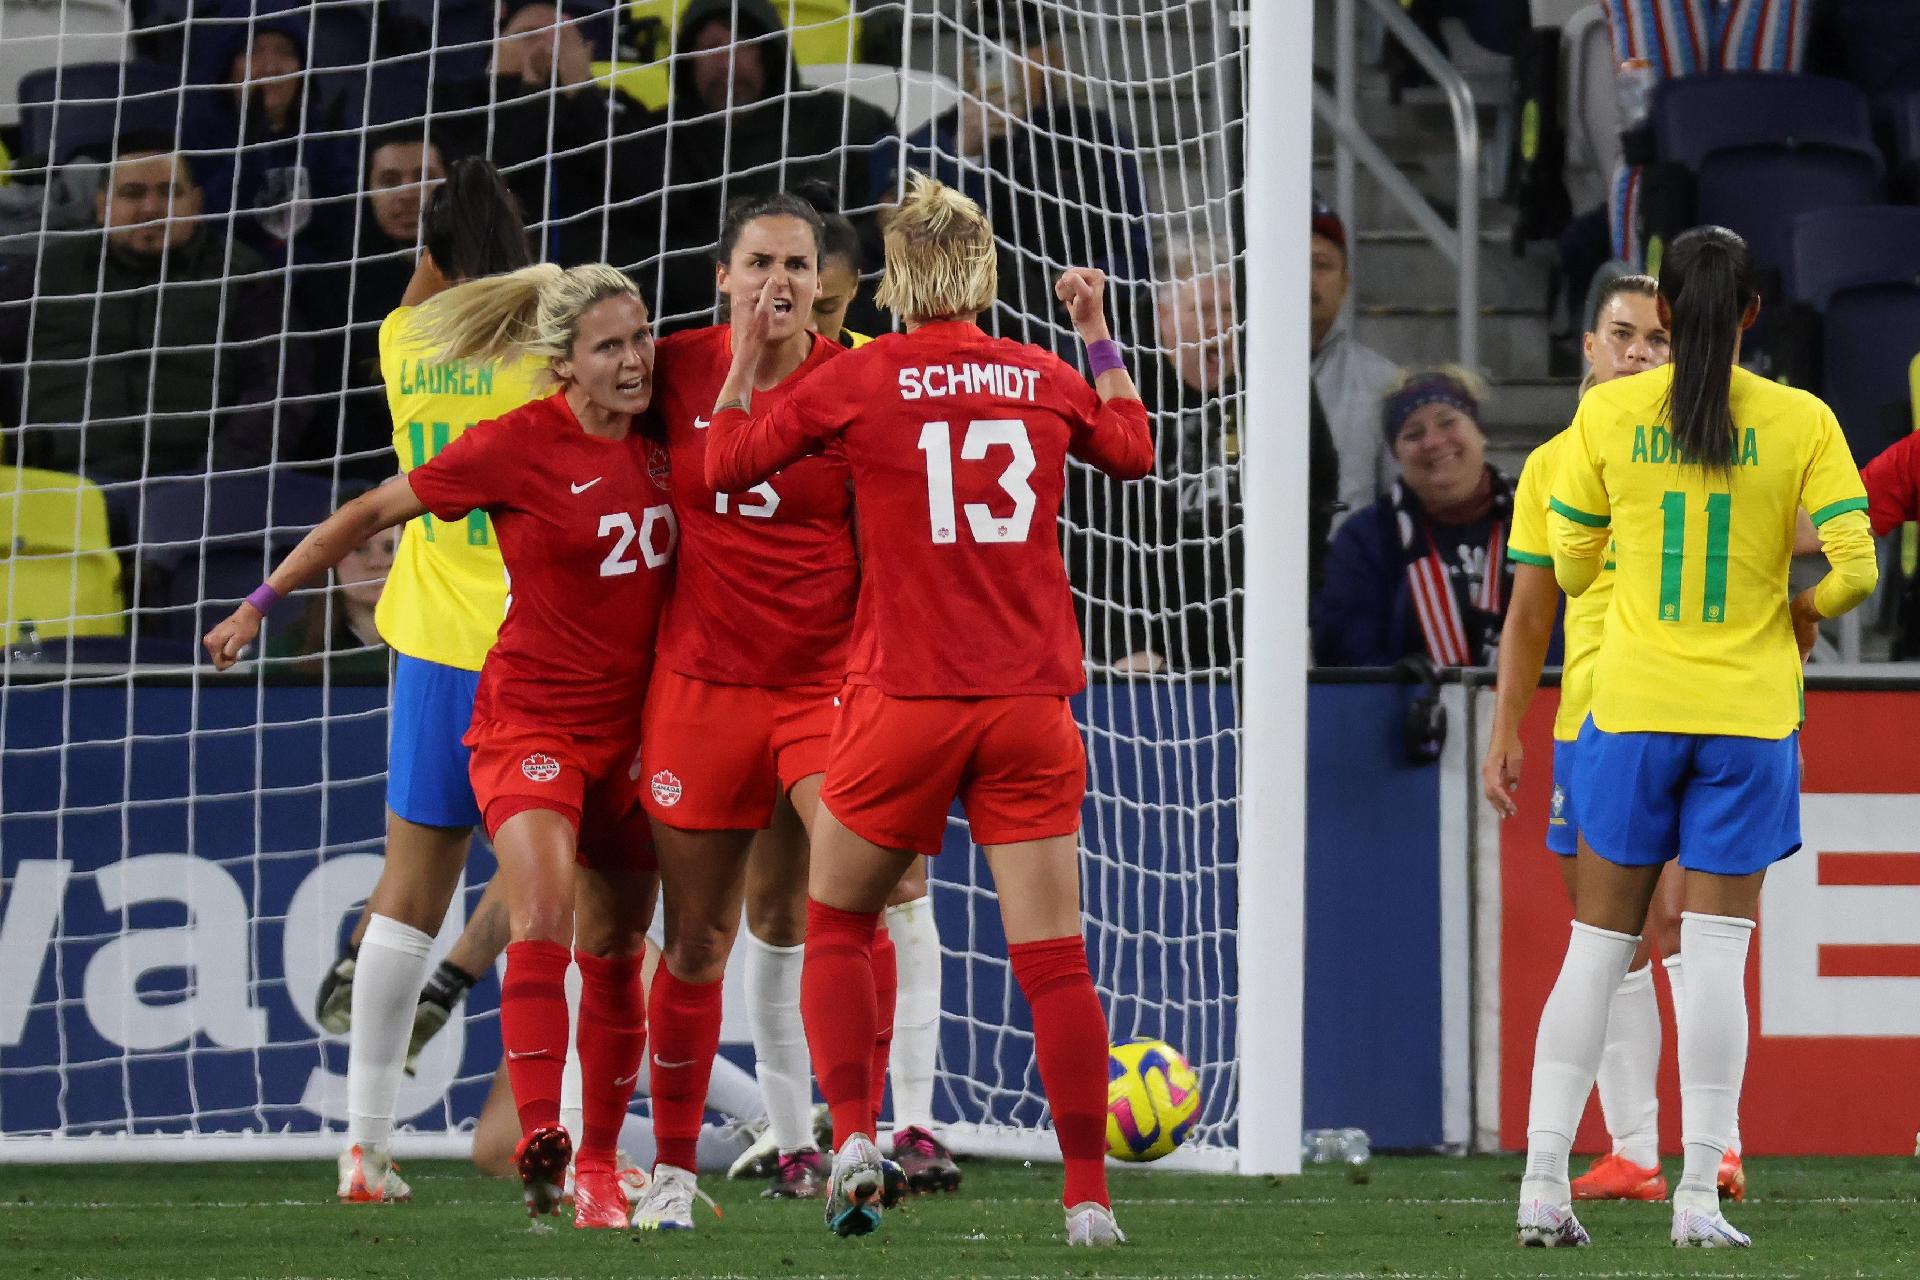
(612, 1037)
(840, 1010)
(533, 1029)
(685, 1018)
(886, 991)
(1070, 1044)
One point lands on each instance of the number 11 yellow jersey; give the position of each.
(1699, 638)
(447, 592)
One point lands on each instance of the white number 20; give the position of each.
(619, 522)
(936, 441)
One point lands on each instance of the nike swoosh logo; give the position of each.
(658, 1061)
(701, 424)
(521, 1057)
(582, 488)
(623, 1081)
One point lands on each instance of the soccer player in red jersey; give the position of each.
(965, 650)
(579, 501)
(753, 647)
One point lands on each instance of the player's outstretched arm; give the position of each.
(1119, 439)
(743, 449)
(326, 546)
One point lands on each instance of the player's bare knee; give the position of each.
(699, 955)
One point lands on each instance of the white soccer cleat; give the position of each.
(1548, 1226)
(668, 1202)
(368, 1175)
(1699, 1229)
(760, 1160)
(855, 1188)
(1092, 1224)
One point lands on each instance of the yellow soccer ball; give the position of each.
(1153, 1097)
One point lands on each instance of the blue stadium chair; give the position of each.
(1861, 269)
(1764, 148)
(229, 527)
(80, 108)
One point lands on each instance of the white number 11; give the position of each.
(936, 441)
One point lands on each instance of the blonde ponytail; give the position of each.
(533, 312)
(940, 258)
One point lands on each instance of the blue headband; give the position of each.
(1432, 388)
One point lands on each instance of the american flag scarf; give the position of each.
(1442, 605)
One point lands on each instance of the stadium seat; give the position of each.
(79, 108)
(1861, 269)
(57, 567)
(1764, 148)
(38, 36)
(229, 527)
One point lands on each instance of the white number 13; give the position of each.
(936, 441)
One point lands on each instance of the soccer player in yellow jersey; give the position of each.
(1626, 337)
(1695, 472)
(442, 606)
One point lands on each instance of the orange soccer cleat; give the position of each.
(1733, 1176)
(1613, 1177)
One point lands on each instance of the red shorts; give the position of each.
(1016, 763)
(714, 757)
(589, 780)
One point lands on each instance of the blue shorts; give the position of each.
(1721, 804)
(1563, 832)
(427, 780)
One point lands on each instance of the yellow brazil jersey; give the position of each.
(447, 592)
(1586, 614)
(853, 341)
(1699, 638)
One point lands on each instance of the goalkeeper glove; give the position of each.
(333, 1003)
(445, 989)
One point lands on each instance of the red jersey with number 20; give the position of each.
(958, 444)
(587, 534)
(766, 579)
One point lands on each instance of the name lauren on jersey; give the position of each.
(931, 382)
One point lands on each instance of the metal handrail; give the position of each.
(1460, 244)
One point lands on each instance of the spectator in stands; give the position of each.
(584, 163)
(151, 346)
(1423, 571)
(1057, 176)
(744, 125)
(1349, 376)
(345, 301)
(1193, 389)
(336, 633)
(283, 162)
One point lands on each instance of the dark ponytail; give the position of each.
(1706, 279)
(838, 239)
(472, 225)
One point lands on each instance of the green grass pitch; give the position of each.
(1413, 1217)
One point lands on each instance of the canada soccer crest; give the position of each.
(666, 789)
(659, 466)
(540, 767)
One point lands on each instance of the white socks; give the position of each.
(387, 977)
(572, 1091)
(916, 1018)
(1566, 1054)
(780, 1041)
(1628, 1069)
(1676, 987)
(1713, 1048)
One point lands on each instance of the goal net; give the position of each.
(207, 211)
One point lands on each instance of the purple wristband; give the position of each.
(264, 597)
(1104, 355)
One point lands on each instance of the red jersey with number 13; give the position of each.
(767, 576)
(588, 535)
(958, 444)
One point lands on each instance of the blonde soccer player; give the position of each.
(1693, 473)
